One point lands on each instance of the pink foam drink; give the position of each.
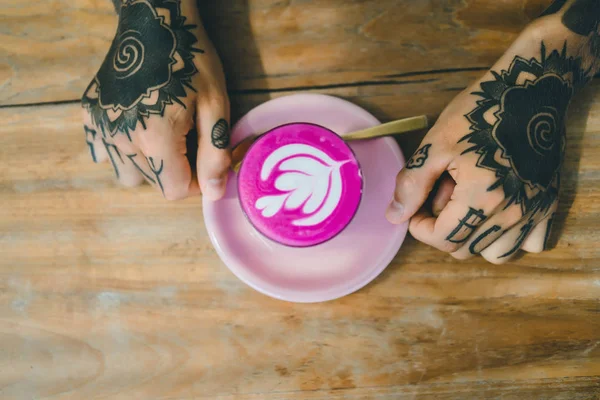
(300, 184)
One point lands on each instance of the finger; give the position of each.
(125, 171)
(490, 231)
(470, 206)
(214, 155)
(443, 194)
(539, 236)
(93, 139)
(507, 246)
(415, 182)
(161, 158)
(451, 229)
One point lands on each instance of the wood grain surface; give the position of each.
(107, 292)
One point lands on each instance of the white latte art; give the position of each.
(311, 183)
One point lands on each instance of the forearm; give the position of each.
(581, 18)
(117, 4)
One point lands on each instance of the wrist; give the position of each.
(184, 5)
(576, 23)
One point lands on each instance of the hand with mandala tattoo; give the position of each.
(160, 79)
(496, 151)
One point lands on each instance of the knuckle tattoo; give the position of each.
(90, 136)
(480, 243)
(466, 226)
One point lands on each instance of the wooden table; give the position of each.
(108, 292)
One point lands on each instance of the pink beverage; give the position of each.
(300, 184)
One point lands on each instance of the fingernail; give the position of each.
(395, 211)
(214, 189)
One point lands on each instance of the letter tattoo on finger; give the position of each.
(155, 170)
(475, 248)
(89, 132)
(525, 229)
(113, 151)
(466, 226)
(548, 231)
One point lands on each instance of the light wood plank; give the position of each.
(51, 50)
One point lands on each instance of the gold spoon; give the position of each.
(391, 128)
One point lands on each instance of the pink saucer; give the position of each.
(331, 269)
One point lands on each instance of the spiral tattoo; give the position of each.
(149, 66)
(129, 57)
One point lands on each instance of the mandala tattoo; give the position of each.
(418, 159)
(148, 66)
(518, 126)
(220, 134)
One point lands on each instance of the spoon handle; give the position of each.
(390, 128)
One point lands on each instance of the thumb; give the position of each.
(415, 182)
(214, 155)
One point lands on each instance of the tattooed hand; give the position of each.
(502, 141)
(160, 77)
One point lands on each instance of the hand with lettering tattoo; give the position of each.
(502, 142)
(160, 79)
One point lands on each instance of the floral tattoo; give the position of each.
(149, 65)
(518, 126)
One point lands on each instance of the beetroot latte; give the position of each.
(300, 184)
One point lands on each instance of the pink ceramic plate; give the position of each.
(332, 269)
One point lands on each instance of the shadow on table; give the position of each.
(228, 25)
(569, 179)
